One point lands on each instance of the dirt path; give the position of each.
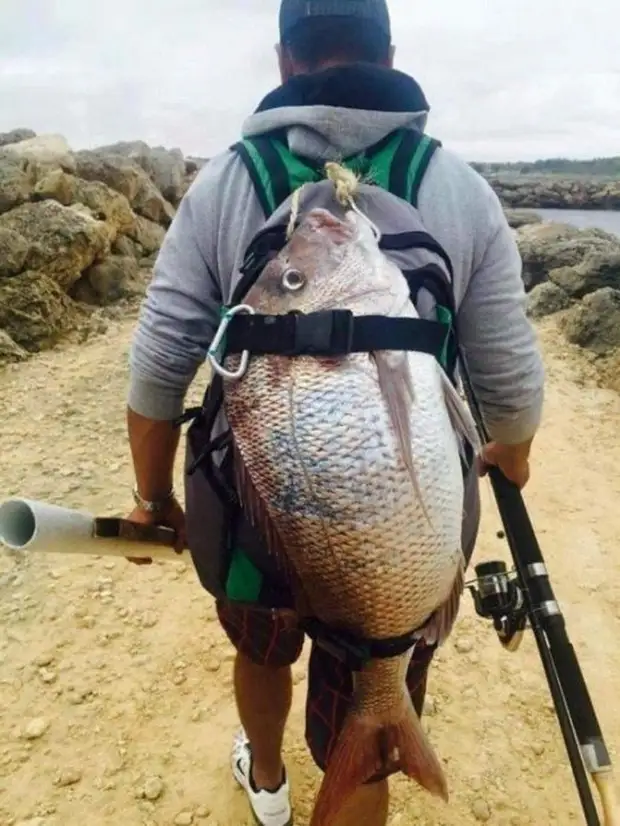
(115, 686)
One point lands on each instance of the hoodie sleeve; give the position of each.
(498, 340)
(180, 312)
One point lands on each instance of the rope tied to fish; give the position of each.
(346, 185)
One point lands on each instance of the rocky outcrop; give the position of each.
(594, 323)
(61, 241)
(166, 168)
(548, 247)
(518, 218)
(78, 231)
(555, 192)
(575, 273)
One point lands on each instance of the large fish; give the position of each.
(351, 467)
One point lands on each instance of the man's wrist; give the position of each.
(156, 501)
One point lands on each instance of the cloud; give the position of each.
(505, 81)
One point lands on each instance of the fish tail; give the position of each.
(460, 416)
(369, 745)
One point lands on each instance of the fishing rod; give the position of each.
(510, 602)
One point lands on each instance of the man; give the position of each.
(339, 96)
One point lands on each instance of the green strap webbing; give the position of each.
(418, 166)
(398, 166)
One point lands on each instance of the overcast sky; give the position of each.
(506, 79)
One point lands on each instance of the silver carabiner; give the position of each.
(212, 354)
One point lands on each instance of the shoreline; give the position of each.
(547, 192)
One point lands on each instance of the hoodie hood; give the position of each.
(340, 111)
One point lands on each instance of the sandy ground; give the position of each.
(116, 700)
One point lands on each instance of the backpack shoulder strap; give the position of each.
(400, 165)
(274, 170)
(397, 164)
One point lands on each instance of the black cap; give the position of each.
(294, 11)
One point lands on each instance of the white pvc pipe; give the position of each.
(27, 525)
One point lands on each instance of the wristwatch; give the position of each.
(150, 506)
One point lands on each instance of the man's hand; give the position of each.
(153, 447)
(512, 460)
(171, 517)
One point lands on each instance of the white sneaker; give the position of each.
(269, 808)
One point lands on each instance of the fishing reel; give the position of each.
(499, 597)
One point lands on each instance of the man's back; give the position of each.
(222, 213)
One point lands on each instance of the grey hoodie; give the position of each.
(198, 268)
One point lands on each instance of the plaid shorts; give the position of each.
(271, 639)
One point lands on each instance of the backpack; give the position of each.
(228, 555)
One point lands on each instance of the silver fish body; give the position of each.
(352, 466)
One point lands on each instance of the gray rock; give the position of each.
(194, 164)
(547, 299)
(126, 177)
(10, 352)
(34, 310)
(594, 323)
(108, 281)
(165, 167)
(63, 240)
(518, 218)
(13, 252)
(57, 185)
(124, 245)
(45, 150)
(148, 235)
(18, 177)
(16, 135)
(550, 246)
(597, 270)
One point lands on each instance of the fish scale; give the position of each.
(365, 511)
(346, 487)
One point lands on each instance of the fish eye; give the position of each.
(293, 280)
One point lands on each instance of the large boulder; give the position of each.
(130, 180)
(104, 204)
(35, 311)
(546, 299)
(597, 270)
(18, 177)
(108, 281)
(14, 249)
(165, 167)
(45, 150)
(125, 246)
(549, 246)
(64, 241)
(148, 235)
(58, 185)
(594, 323)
